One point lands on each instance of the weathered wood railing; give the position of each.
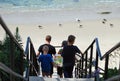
(13, 43)
(33, 67)
(29, 54)
(84, 66)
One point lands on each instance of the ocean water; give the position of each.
(67, 10)
(39, 5)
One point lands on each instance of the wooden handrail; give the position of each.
(111, 50)
(98, 48)
(84, 58)
(89, 46)
(31, 58)
(8, 70)
(13, 42)
(9, 33)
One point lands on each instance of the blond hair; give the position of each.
(45, 48)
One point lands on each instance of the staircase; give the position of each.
(35, 78)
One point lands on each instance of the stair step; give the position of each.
(35, 78)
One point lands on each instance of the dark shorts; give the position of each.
(59, 70)
(51, 71)
(68, 71)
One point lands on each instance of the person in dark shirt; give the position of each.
(68, 55)
(51, 51)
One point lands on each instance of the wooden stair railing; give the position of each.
(13, 43)
(33, 67)
(85, 65)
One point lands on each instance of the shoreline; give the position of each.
(55, 16)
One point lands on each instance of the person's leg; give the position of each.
(60, 72)
(47, 74)
(65, 71)
(68, 71)
(51, 71)
(43, 74)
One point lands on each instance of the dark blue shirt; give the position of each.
(46, 61)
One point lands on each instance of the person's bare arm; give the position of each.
(54, 64)
(38, 53)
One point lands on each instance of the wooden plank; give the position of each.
(35, 78)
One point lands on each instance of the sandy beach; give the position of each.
(60, 24)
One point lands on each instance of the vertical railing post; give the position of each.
(106, 67)
(90, 68)
(96, 66)
(28, 66)
(82, 65)
(12, 54)
(35, 62)
(86, 66)
(76, 69)
(31, 59)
